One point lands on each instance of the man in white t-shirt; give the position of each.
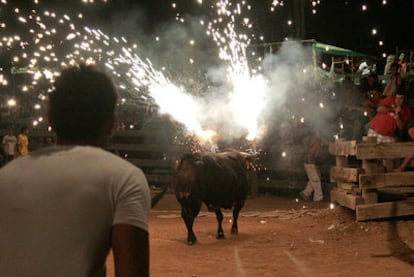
(63, 207)
(9, 144)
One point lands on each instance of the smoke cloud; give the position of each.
(278, 95)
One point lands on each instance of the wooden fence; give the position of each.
(364, 186)
(150, 149)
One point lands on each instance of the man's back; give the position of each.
(57, 208)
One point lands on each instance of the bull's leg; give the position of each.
(236, 211)
(189, 210)
(219, 216)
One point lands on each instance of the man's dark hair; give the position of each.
(82, 102)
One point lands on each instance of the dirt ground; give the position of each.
(280, 236)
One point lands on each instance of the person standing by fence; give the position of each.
(9, 144)
(23, 141)
(314, 144)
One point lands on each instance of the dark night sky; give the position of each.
(338, 22)
(349, 27)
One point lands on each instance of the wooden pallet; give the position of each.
(358, 187)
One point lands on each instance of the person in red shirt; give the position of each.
(392, 116)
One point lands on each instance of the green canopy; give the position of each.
(335, 50)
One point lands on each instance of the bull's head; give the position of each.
(250, 160)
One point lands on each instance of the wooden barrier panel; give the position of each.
(345, 174)
(343, 148)
(371, 177)
(346, 198)
(384, 210)
(382, 180)
(384, 150)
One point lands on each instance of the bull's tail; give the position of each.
(158, 196)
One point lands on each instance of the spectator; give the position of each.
(392, 116)
(394, 83)
(9, 144)
(314, 144)
(366, 67)
(370, 84)
(23, 141)
(402, 63)
(63, 207)
(390, 61)
(370, 105)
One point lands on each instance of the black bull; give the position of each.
(218, 179)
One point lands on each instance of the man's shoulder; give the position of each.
(99, 153)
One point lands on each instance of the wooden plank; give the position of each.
(384, 150)
(40, 133)
(341, 161)
(347, 186)
(382, 180)
(346, 199)
(384, 210)
(398, 190)
(146, 147)
(369, 139)
(152, 163)
(345, 174)
(152, 132)
(370, 196)
(372, 166)
(343, 148)
(158, 178)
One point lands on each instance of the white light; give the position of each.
(11, 103)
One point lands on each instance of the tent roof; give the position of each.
(335, 50)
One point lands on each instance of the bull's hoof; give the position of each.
(191, 242)
(234, 230)
(220, 235)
